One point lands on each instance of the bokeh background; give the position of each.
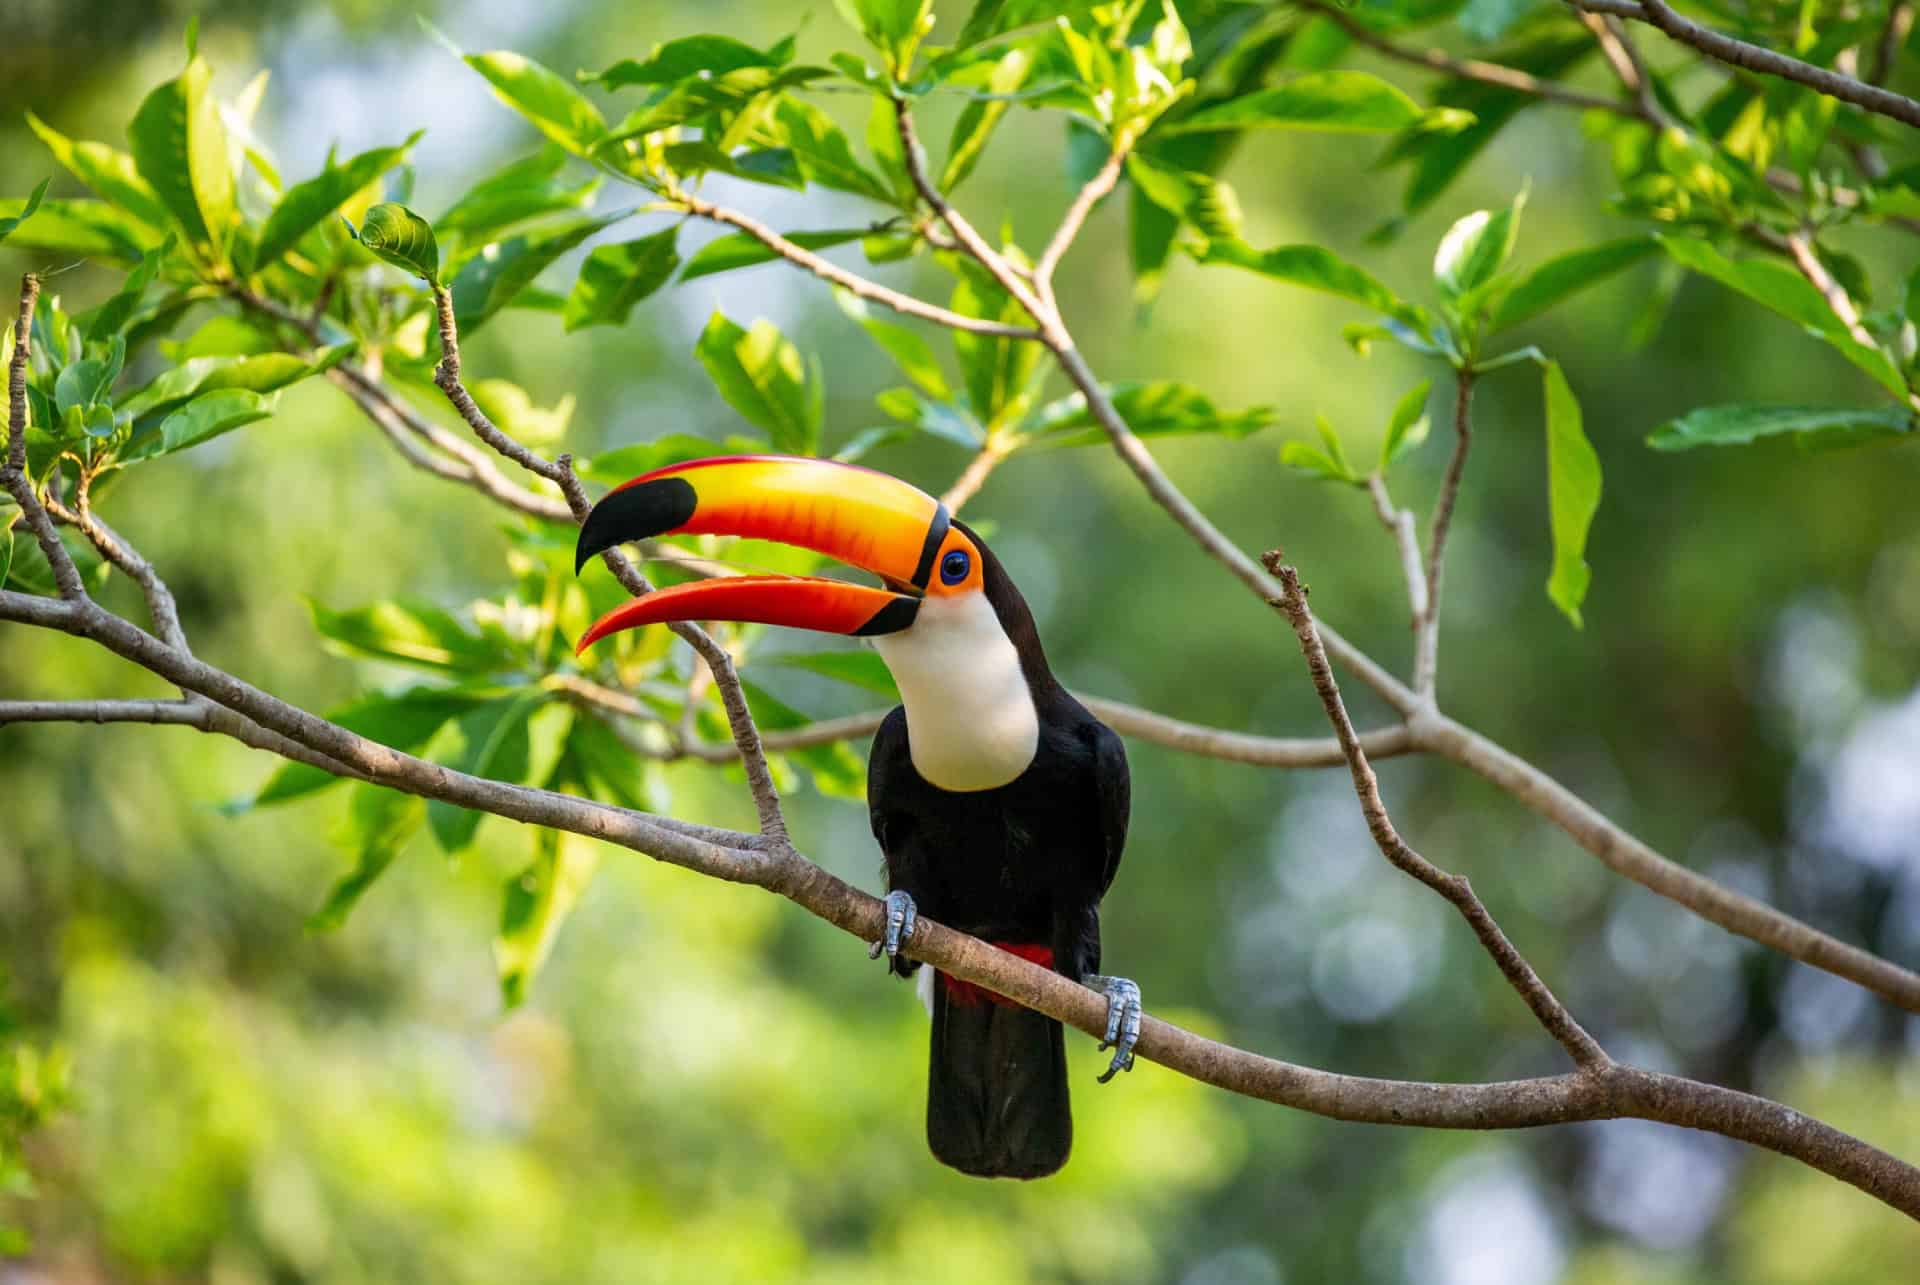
(708, 1085)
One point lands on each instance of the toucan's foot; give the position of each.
(1123, 1021)
(901, 916)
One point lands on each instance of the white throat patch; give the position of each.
(971, 724)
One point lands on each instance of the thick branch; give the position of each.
(1755, 58)
(1605, 1092)
(1547, 1008)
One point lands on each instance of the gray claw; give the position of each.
(1123, 1021)
(901, 917)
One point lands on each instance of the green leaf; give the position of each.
(378, 824)
(1822, 426)
(395, 234)
(739, 250)
(180, 148)
(508, 405)
(107, 170)
(1407, 427)
(823, 153)
(7, 225)
(1475, 248)
(1573, 494)
(411, 633)
(496, 746)
(944, 420)
(1560, 277)
(1335, 101)
(209, 415)
(87, 227)
(306, 204)
(553, 105)
(82, 384)
(402, 721)
(491, 279)
(763, 376)
(1319, 269)
(260, 373)
(1328, 461)
(616, 277)
(523, 190)
(113, 316)
(6, 548)
(910, 352)
(1157, 408)
(683, 59)
(863, 669)
(1786, 292)
(999, 373)
(893, 25)
(534, 903)
(979, 118)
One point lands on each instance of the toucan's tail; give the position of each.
(997, 1085)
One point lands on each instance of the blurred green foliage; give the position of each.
(290, 1050)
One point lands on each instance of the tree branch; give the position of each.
(1547, 1008)
(197, 712)
(746, 736)
(974, 476)
(1609, 1091)
(1755, 58)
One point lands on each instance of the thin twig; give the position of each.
(1893, 37)
(1617, 47)
(1755, 58)
(1399, 525)
(1091, 194)
(914, 157)
(1427, 661)
(1801, 250)
(974, 476)
(66, 576)
(161, 607)
(1487, 73)
(851, 282)
(1551, 1013)
(746, 736)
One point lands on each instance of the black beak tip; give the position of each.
(634, 513)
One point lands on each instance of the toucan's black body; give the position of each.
(999, 801)
(1023, 866)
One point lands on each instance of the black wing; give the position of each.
(1113, 797)
(883, 764)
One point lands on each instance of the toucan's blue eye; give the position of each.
(954, 567)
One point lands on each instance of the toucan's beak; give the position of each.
(854, 515)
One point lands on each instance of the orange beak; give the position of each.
(854, 515)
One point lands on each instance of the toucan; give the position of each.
(999, 802)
